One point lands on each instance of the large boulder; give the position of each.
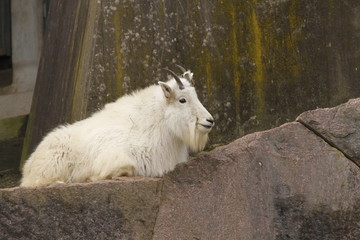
(284, 183)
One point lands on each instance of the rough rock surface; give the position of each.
(340, 126)
(9, 178)
(284, 183)
(103, 210)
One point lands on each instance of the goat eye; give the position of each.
(182, 100)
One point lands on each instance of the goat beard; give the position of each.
(196, 140)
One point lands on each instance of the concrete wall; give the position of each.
(27, 32)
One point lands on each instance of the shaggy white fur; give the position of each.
(143, 134)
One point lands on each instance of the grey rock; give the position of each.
(9, 178)
(285, 183)
(124, 209)
(340, 126)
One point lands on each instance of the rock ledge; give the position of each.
(284, 183)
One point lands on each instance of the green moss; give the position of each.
(81, 59)
(12, 127)
(292, 41)
(12, 131)
(117, 26)
(209, 78)
(26, 145)
(257, 53)
(161, 15)
(230, 46)
(235, 53)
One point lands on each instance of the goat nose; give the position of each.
(210, 120)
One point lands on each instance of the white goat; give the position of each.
(143, 134)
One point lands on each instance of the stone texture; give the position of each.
(340, 126)
(10, 178)
(257, 64)
(124, 209)
(285, 183)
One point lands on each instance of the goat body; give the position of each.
(143, 134)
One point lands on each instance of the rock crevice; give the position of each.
(338, 126)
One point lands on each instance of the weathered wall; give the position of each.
(26, 37)
(15, 99)
(257, 63)
(284, 183)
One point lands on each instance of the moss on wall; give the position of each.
(12, 132)
(12, 127)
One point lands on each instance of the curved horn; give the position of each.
(181, 68)
(177, 79)
(185, 75)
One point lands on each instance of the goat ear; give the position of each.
(166, 89)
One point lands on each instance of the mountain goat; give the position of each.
(145, 133)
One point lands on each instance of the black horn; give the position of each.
(181, 68)
(187, 76)
(177, 79)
